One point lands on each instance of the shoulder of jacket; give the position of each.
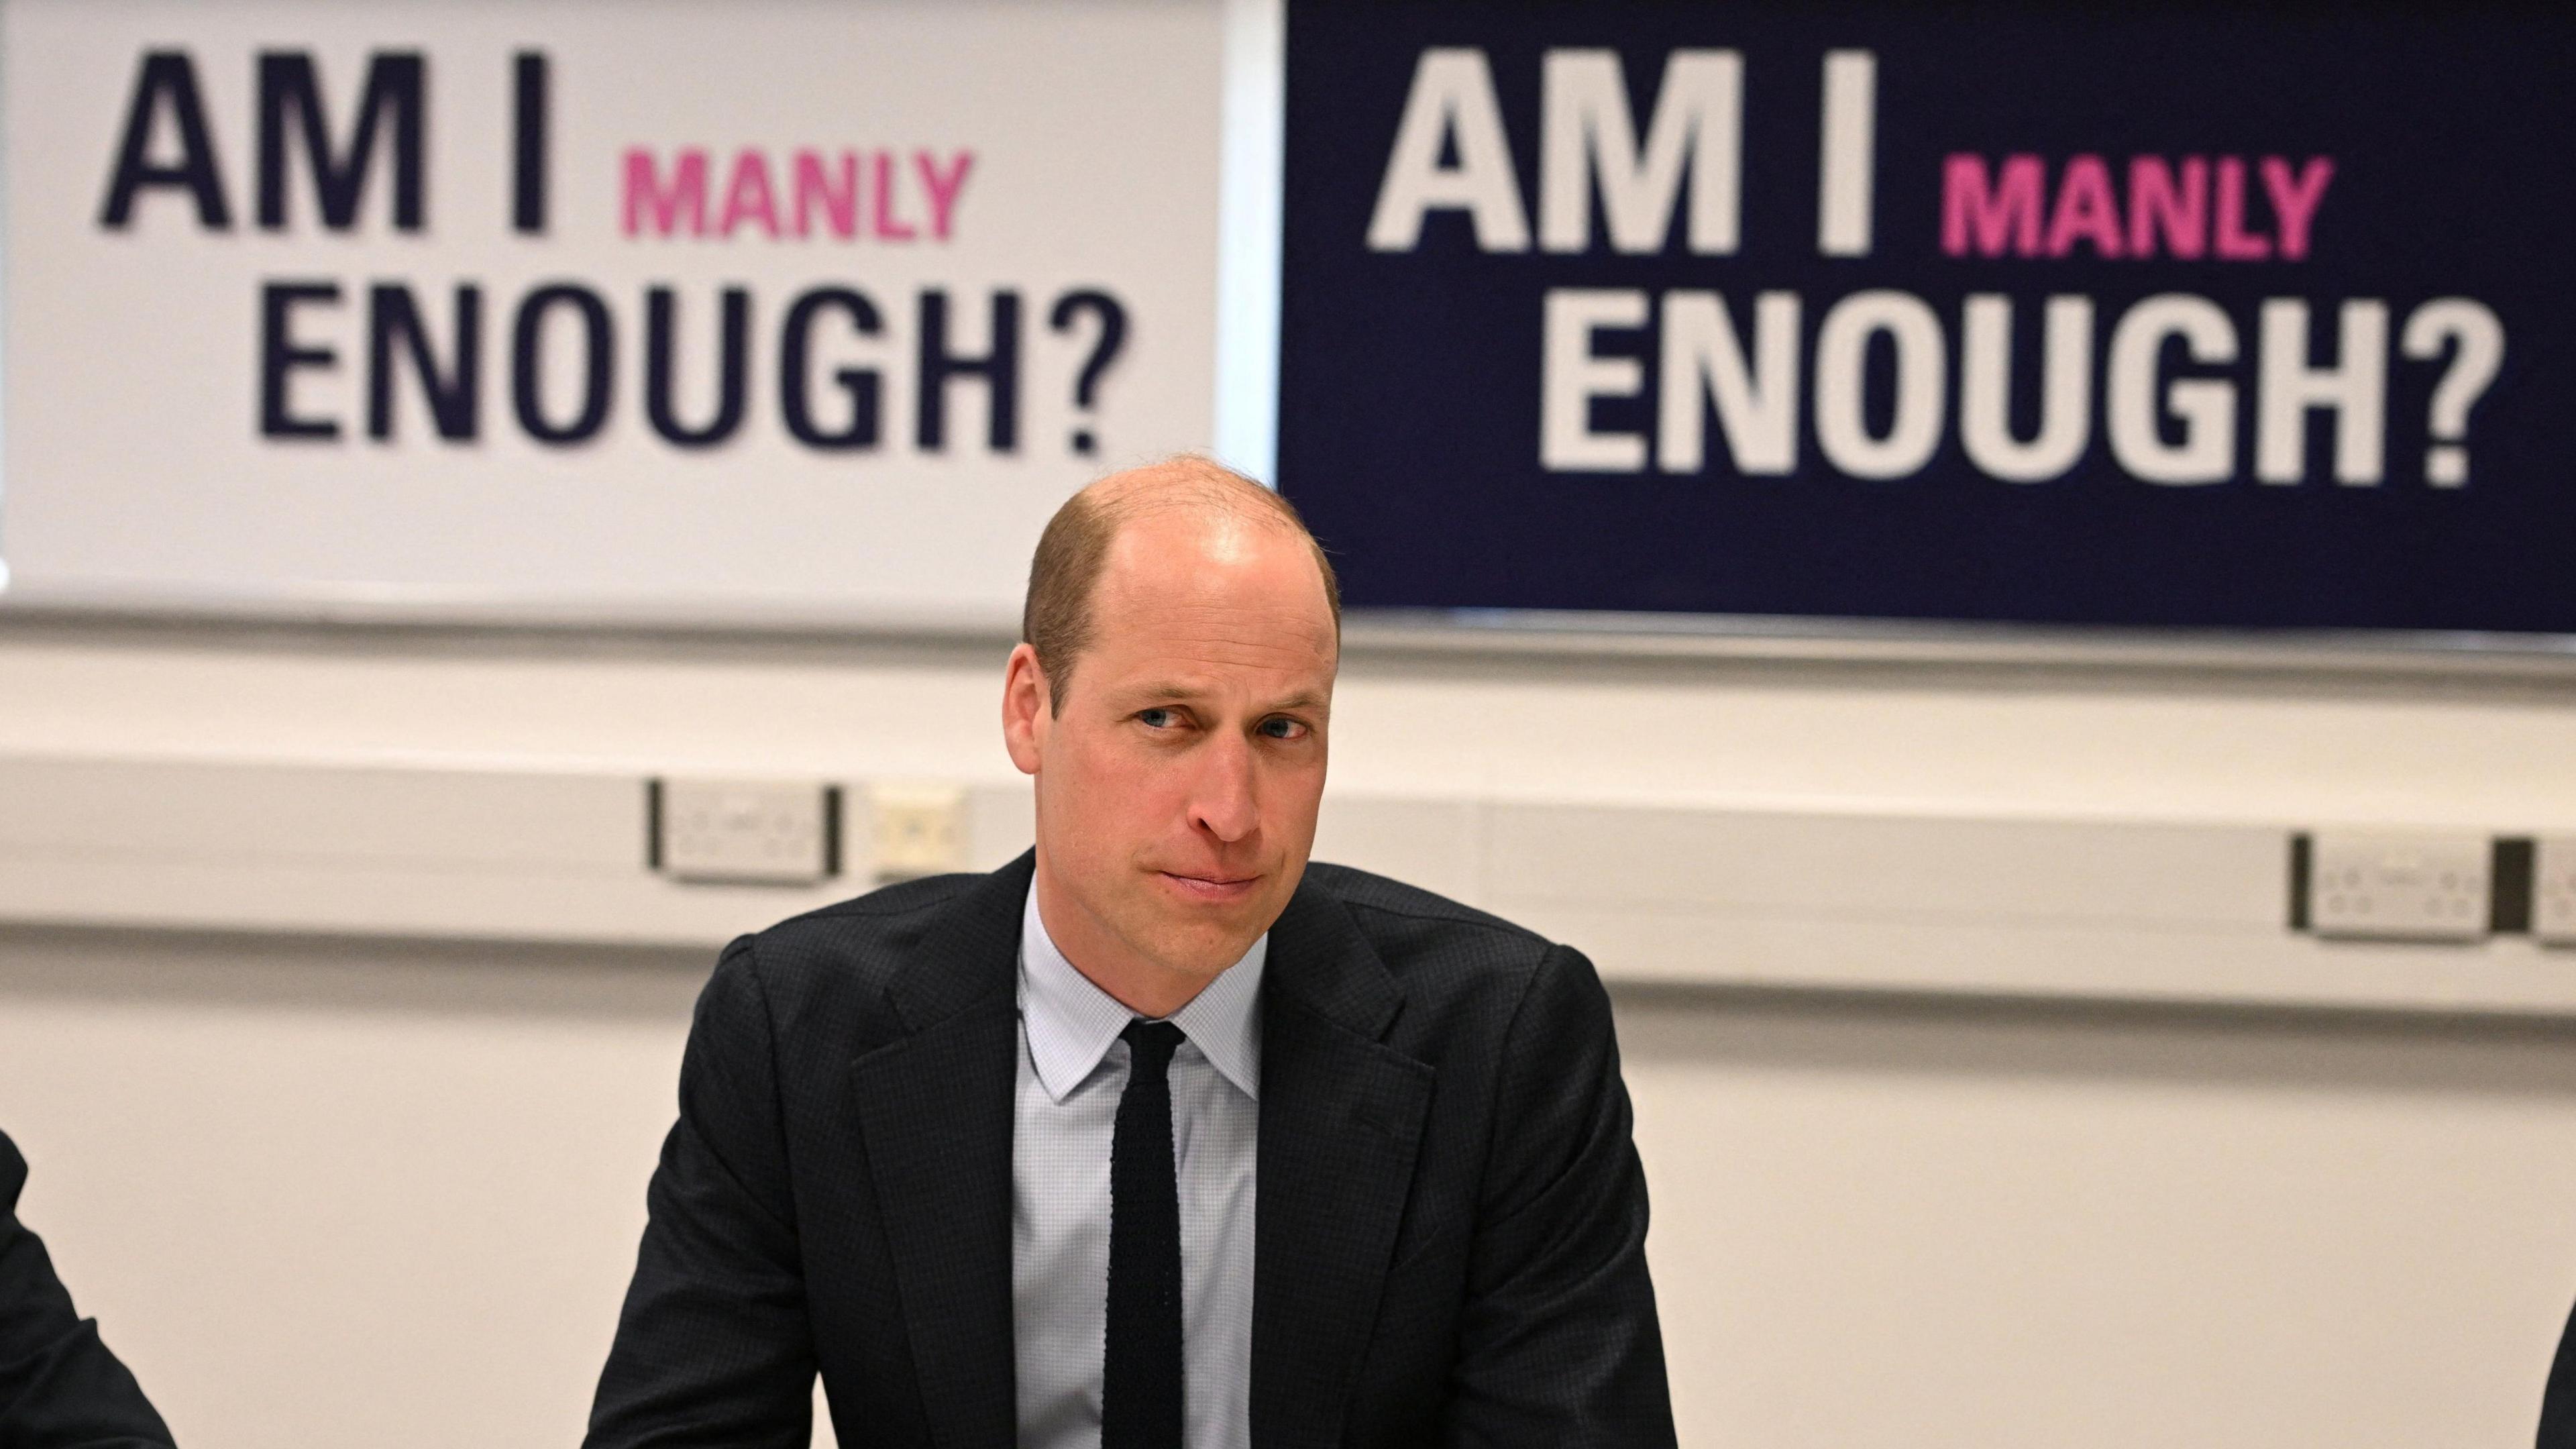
(864, 937)
(1390, 906)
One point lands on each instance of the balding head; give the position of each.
(1185, 494)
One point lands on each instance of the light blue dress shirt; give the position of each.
(1072, 1070)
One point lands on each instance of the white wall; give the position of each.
(336, 1189)
(1963, 1227)
(342, 1193)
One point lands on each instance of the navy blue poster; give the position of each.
(2205, 316)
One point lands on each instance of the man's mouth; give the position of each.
(1212, 887)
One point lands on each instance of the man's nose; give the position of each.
(1221, 800)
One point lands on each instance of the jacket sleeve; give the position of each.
(714, 1346)
(59, 1386)
(1559, 1346)
(2558, 1400)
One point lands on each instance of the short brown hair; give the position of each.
(1055, 620)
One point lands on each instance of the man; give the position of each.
(1155, 1136)
(59, 1386)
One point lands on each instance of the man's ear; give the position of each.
(1027, 708)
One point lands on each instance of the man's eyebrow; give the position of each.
(1171, 692)
(1160, 692)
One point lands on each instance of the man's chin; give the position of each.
(1202, 943)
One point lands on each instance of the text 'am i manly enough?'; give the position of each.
(2176, 387)
(558, 361)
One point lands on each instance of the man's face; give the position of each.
(1178, 782)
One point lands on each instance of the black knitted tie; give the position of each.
(1140, 1379)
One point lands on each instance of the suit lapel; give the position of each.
(1341, 1114)
(935, 1109)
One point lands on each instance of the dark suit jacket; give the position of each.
(59, 1386)
(2558, 1401)
(1448, 1247)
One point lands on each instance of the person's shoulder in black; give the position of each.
(59, 1386)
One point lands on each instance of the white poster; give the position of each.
(613, 310)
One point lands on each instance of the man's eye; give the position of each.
(1155, 719)
(1282, 729)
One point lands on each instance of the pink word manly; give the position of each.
(2191, 207)
(807, 193)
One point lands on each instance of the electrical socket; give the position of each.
(2399, 886)
(917, 829)
(2553, 890)
(751, 832)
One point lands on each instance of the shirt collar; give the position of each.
(1071, 1022)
